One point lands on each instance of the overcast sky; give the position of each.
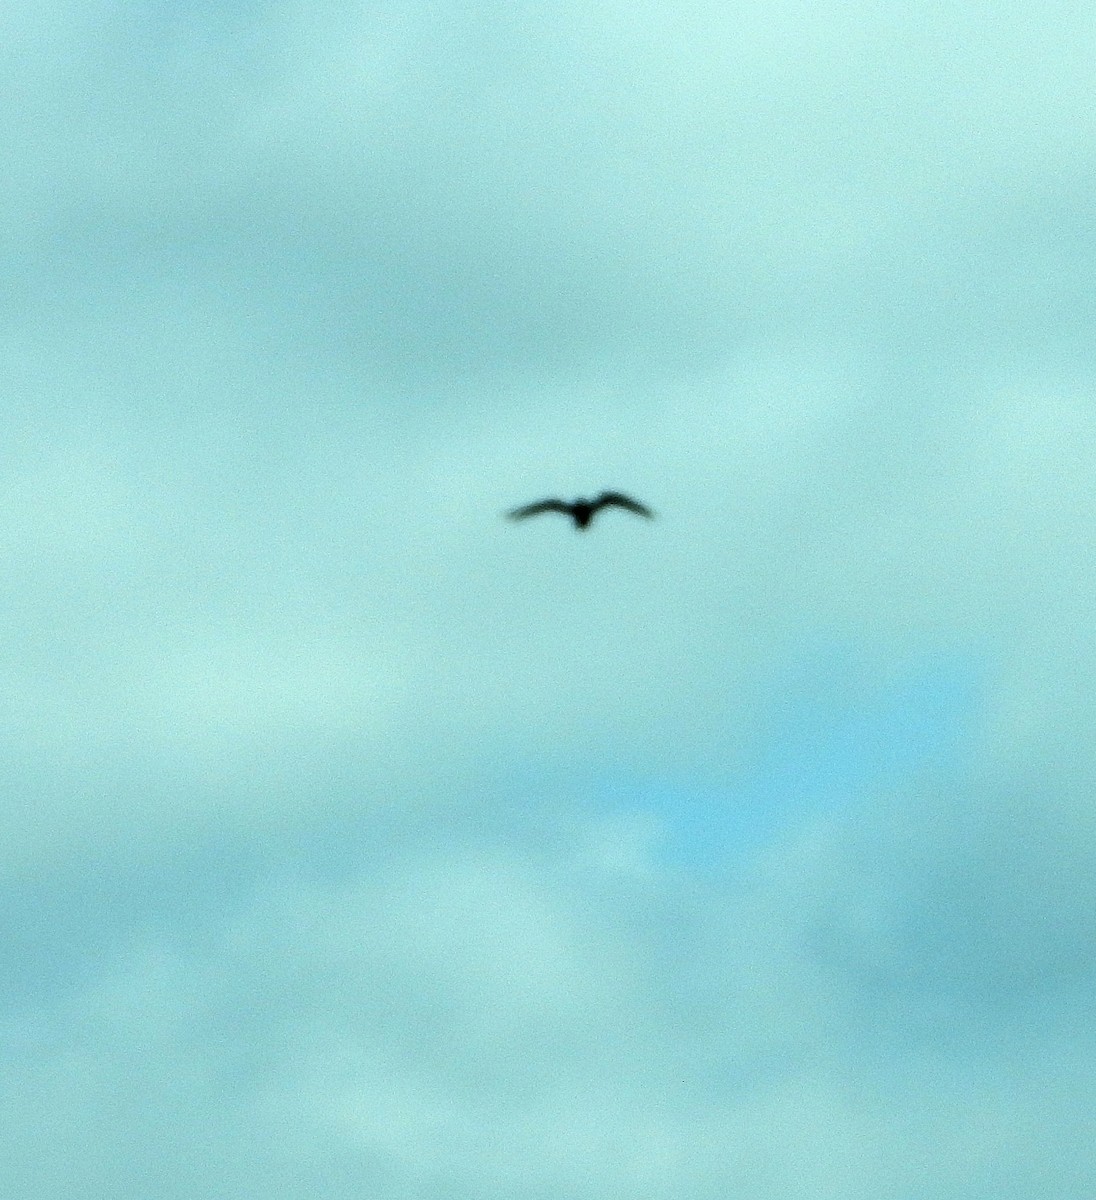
(358, 843)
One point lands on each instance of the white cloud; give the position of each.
(477, 1022)
(302, 300)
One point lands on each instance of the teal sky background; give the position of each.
(361, 843)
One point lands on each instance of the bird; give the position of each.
(581, 511)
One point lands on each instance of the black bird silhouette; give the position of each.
(581, 511)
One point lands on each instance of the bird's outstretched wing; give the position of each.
(621, 501)
(540, 506)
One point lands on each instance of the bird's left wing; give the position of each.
(540, 506)
(622, 501)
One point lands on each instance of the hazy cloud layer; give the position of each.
(360, 842)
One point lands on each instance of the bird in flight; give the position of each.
(581, 511)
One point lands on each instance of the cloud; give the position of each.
(473, 1018)
(337, 810)
(432, 196)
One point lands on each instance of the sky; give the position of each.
(361, 843)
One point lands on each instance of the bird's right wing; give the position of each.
(622, 501)
(540, 506)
